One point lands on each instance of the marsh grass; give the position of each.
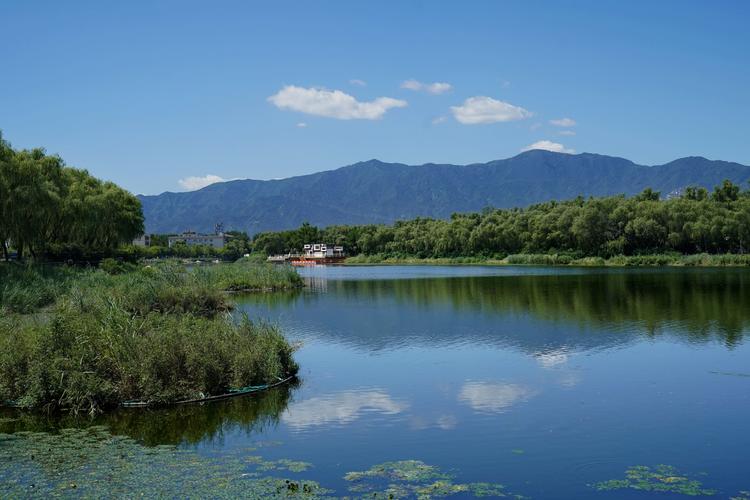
(27, 288)
(244, 276)
(157, 335)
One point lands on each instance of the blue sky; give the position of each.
(150, 93)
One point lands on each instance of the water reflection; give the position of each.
(493, 397)
(340, 408)
(188, 424)
(606, 309)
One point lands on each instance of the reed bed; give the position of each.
(157, 334)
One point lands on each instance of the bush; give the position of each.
(112, 266)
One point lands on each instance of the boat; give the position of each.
(313, 254)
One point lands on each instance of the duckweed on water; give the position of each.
(413, 478)
(277, 465)
(93, 463)
(742, 495)
(662, 478)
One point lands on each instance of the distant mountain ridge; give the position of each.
(378, 192)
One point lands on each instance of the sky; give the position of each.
(172, 95)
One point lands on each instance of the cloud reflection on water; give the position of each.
(340, 408)
(493, 397)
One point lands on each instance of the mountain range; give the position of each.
(378, 192)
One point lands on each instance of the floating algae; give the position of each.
(662, 478)
(277, 465)
(413, 478)
(93, 463)
(742, 495)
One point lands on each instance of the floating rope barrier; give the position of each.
(231, 394)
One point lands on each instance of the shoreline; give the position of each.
(563, 260)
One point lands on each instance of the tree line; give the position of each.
(696, 221)
(51, 210)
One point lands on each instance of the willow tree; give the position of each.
(6, 154)
(46, 206)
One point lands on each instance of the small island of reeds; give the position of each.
(84, 340)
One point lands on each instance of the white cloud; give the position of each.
(193, 183)
(493, 397)
(357, 82)
(341, 408)
(482, 109)
(567, 132)
(549, 146)
(332, 103)
(563, 122)
(301, 125)
(431, 88)
(438, 120)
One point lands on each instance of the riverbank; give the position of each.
(84, 340)
(696, 260)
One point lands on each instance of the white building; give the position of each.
(191, 238)
(143, 240)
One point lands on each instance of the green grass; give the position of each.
(157, 334)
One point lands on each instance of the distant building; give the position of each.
(321, 250)
(191, 238)
(143, 240)
(312, 254)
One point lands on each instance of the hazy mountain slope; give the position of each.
(373, 191)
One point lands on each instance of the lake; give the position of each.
(553, 382)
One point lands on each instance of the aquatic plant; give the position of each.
(277, 465)
(154, 335)
(92, 463)
(662, 478)
(414, 478)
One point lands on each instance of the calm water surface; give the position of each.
(545, 380)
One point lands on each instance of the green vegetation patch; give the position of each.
(662, 478)
(283, 464)
(414, 478)
(93, 463)
(156, 335)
